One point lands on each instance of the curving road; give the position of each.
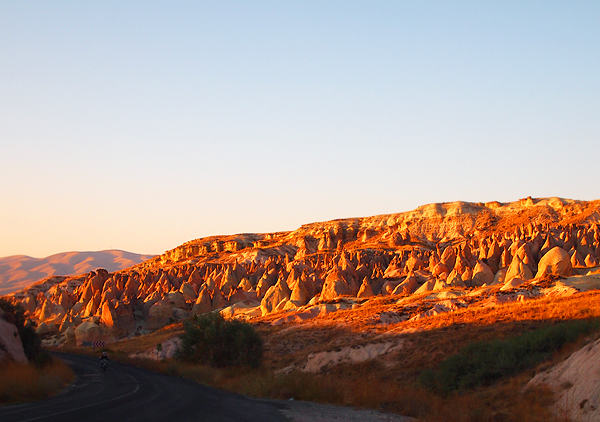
(127, 393)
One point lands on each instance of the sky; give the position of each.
(140, 125)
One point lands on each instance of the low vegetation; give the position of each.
(484, 363)
(21, 382)
(212, 340)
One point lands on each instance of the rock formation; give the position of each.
(435, 247)
(11, 347)
(576, 384)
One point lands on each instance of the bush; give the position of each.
(213, 340)
(32, 345)
(481, 364)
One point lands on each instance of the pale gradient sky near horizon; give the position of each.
(140, 125)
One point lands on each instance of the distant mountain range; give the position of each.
(20, 271)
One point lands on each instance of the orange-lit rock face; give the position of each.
(435, 247)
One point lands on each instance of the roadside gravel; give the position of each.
(303, 411)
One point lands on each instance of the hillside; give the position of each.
(19, 271)
(460, 252)
(366, 303)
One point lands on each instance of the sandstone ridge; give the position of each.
(442, 250)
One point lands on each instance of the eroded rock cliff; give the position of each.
(435, 247)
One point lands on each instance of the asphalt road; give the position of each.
(127, 393)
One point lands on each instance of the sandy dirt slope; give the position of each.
(576, 382)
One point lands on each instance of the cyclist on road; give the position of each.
(104, 361)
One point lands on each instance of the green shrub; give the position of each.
(481, 364)
(213, 340)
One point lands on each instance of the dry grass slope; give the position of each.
(20, 382)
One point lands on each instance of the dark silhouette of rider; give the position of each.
(104, 357)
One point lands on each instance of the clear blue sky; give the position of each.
(142, 125)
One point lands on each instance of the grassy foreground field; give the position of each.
(391, 382)
(20, 382)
